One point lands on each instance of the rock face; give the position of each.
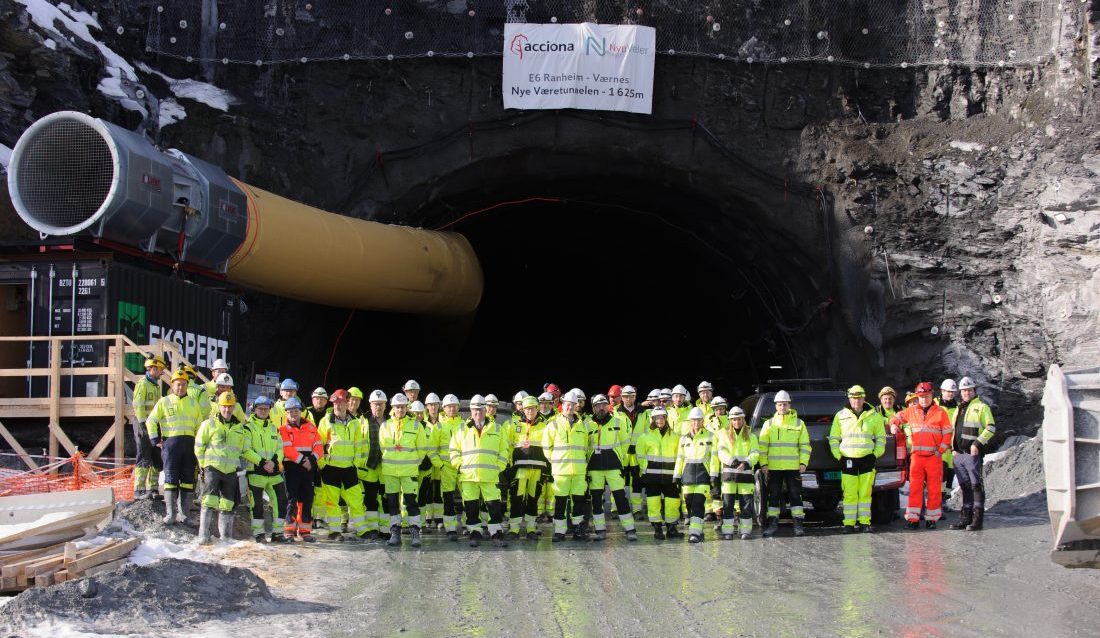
(885, 223)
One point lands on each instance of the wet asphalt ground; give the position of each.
(894, 582)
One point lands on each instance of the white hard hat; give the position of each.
(220, 364)
(966, 383)
(718, 401)
(491, 399)
(450, 399)
(411, 384)
(679, 389)
(320, 392)
(666, 393)
(653, 394)
(518, 397)
(223, 379)
(949, 385)
(658, 412)
(598, 399)
(704, 385)
(736, 411)
(416, 406)
(569, 397)
(399, 399)
(629, 389)
(696, 413)
(377, 396)
(477, 401)
(781, 396)
(578, 394)
(546, 396)
(432, 398)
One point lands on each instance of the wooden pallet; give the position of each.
(61, 563)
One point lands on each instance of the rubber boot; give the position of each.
(798, 529)
(184, 514)
(966, 517)
(170, 509)
(395, 536)
(976, 523)
(414, 536)
(772, 528)
(225, 525)
(658, 531)
(673, 532)
(206, 521)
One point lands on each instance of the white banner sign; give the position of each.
(579, 66)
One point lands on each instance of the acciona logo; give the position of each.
(521, 44)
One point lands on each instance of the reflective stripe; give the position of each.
(401, 461)
(558, 448)
(304, 448)
(531, 463)
(479, 466)
(780, 444)
(581, 461)
(480, 451)
(925, 448)
(661, 471)
(661, 459)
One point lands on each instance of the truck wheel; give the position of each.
(825, 505)
(884, 507)
(760, 500)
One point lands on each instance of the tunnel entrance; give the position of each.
(601, 270)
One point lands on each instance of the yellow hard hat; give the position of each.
(189, 370)
(887, 390)
(857, 391)
(227, 398)
(155, 361)
(180, 375)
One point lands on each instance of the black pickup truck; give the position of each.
(821, 481)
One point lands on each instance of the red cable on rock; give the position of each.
(551, 200)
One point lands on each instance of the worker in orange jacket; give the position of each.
(928, 433)
(302, 450)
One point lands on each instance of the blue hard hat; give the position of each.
(262, 400)
(293, 404)
(289, 384)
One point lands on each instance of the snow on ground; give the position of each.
(153, 549)
(967, 147)
(186, 88)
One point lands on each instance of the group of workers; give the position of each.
(360, 471)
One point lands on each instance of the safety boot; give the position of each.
(414, 536)
(798, 529)
(475, 537)
(498, 540)
(395, 536)
(170, 504)
(601, 535)
(557, 538)
(276, 537)
(513, 535)
(225, 525)
(206, 520)
(452, 536)
(966, 517)
(673, 532)
(727, 537)
(183, 516)
(658, 531)
(695, 538)
(930, 524)
(746, 536)
(976, 524)
(848, 529)
(532, 535)
(709, 517)
(632, 535)
(580, 532)
(772, 528)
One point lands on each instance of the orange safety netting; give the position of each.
(65, 475)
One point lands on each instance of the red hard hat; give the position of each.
(615, 391)
(924, 388)
(339, 396)
(553, 389)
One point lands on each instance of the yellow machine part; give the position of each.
(304, 253)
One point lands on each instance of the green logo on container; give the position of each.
(132, 323)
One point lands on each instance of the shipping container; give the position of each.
(63, 297)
